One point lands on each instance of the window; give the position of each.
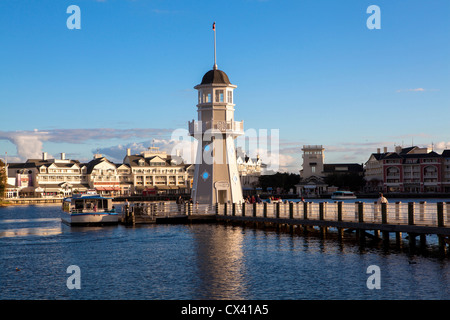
(207, 97)
(219, 96)
(230, 96)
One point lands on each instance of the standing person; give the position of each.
(382, 199)
(179, 203)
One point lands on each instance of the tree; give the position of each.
(350, 181)
(284, 181)
(3, 179)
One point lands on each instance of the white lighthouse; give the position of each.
(216, 177)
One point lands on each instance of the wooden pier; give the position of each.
(366, 220)
(415, 219)
(167, 212)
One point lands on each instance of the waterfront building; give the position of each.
(409, 170)
(315, 170)
(48, 177)
(155, 172)
(102, 176)
(250, 169)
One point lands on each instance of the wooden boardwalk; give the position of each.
(415, 219)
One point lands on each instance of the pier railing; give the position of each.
(399, 213)
(169, 209)
(420, 214)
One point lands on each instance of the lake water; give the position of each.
(202, 261)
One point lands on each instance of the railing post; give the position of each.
(321, 210)
(225, 209)
(339, 211)
(291, 210)
(254, 209)
(384, 213)
(305, 211)
(243, 209)
(440, 223)
(440, 214)
(278, 210)
(397, 211)
(410, 213)
(265, 210)
(339, 218)
(360, 211)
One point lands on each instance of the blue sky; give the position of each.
(311, 69)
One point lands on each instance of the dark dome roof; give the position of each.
(215, 76)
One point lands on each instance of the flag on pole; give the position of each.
(214, 26)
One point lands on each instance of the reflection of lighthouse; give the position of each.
(216, 178)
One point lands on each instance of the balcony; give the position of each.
(216, 127)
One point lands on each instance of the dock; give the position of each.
(363, 221)
(415, 219)
(167, 212)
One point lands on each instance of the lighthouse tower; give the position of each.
(216, 177)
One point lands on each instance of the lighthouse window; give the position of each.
(219, 96)
(230, 96)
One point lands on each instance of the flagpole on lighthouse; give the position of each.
(214, 29)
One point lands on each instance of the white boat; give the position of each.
(88, 209)
(343, 195)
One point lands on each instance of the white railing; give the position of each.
(420, 214)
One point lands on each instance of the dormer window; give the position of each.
(141, 163)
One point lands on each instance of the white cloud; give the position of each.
(29, 144)
(415, 90)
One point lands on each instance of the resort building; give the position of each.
(409, 170)
(314, 171)
(47, 177)
(150, 172)
(155, 172)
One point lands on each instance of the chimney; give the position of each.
(44, 156)
(385, 149)
(63, 156)
(378, 150)
(128, 152)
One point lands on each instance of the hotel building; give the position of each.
(409, 170)
(149, 172)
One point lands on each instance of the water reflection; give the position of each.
(30, 220)
(221, 264)
(20, 232)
